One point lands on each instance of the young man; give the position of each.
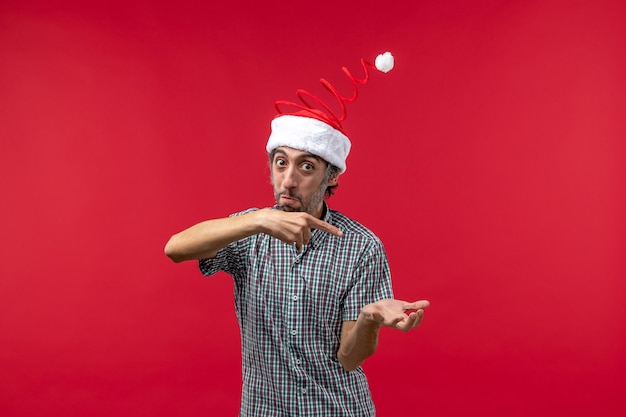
(312, 287)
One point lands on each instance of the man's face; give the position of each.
(299, 180)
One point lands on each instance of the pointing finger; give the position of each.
(327, 227)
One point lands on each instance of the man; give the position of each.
(312, 287)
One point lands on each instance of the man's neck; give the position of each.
(321, 211)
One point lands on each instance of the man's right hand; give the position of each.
(204, 239)
(293, 227)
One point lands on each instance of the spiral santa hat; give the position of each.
(312, 126)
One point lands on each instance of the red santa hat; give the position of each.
(319, 130)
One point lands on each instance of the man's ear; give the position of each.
(333, 180)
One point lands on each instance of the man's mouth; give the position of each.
(289, 202)
(289, 198)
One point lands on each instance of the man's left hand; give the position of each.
(397, 314)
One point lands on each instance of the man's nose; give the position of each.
(290, 179)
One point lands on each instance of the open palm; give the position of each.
(398, 314)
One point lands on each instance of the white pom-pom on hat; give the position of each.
(384, 62)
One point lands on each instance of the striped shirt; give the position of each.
(290, 307)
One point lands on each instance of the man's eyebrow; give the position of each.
(310, 155)
(300, 156)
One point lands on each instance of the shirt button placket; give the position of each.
(294, 297)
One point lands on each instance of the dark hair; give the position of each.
(331, 171)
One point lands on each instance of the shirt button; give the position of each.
(295, 298)
(303, 390)
(297, 361)
(293, 332)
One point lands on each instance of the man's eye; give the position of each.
(307, 167)
(280, 162)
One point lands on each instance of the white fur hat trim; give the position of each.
(310, 135)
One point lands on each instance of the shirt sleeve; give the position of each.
(372, 282)
(222, 260)
(229, 258)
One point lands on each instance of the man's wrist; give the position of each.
(368, 320)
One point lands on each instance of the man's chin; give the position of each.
(289, 208)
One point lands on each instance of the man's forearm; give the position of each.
(204, 239)
(358, 342)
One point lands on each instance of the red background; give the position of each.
(490, 162)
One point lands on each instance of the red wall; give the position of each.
(490, 162)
